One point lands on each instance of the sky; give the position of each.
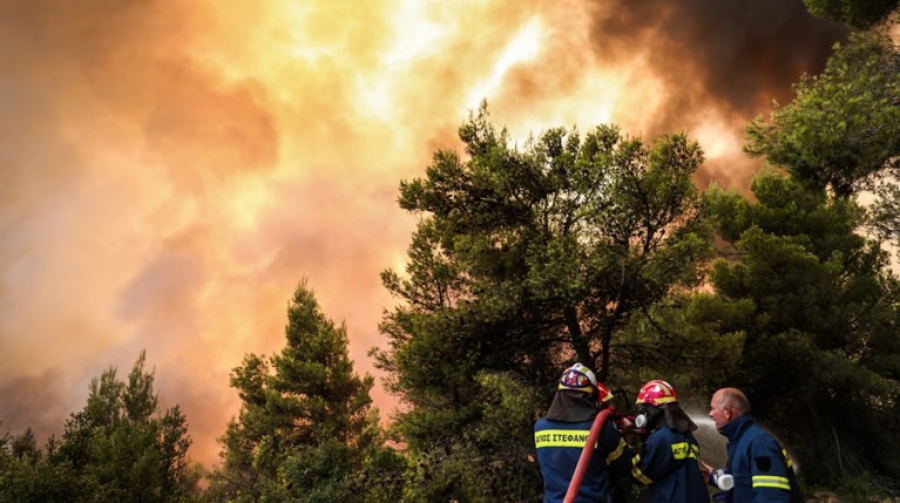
(170, 171)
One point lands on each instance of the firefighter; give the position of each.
(560, 437)
(762, 469)
(668, 460)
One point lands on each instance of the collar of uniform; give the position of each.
(734, 429)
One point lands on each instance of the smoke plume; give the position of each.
(171, 170)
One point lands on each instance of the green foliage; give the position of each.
(305, 424)
(843, 129)
(38, 480)
(525, 259)
(885, 216)
(381, 476)
(25, 473)
(862, 489)
(319, 474)
(118, 448)
(692, 339)
(490, 461)
(818, 310)
(824, 337)
(856, 13)
(822, 345)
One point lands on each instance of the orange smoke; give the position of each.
(172, 169)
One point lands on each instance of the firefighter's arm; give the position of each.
(652, 463)
(769, 472)
(619, 453)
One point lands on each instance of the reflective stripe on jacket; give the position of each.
(667, 464)
(762, 470)
(559, 445)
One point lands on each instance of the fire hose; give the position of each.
(586, 453)
(719, 478)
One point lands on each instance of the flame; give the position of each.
(172, 169)
(524, 46)
(718, 137)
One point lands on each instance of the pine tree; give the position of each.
(306, 424)
(818, 310)
(118, 448)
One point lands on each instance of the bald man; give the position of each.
(762, 470)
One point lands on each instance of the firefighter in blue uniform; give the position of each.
(761, 468)
(668, 461)
(560, 437)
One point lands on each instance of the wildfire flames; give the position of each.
(172, 169)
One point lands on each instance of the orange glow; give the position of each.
(172, 169)
(523, 47)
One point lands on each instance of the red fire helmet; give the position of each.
(603, 393)
(656, 392)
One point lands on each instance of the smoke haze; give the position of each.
(171, 170)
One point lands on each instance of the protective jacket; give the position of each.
(667, 464)
(762, 470)
(559, 445)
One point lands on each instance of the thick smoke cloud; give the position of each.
(720, 64)
(170, 170)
